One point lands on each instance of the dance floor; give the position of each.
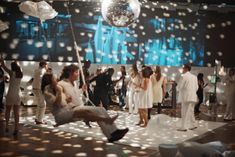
(161, 129)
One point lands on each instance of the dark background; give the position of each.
(202, 51)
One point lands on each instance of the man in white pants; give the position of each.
(69, 75)
(36, 83)
(187, 88)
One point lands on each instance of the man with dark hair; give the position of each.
(123, 89)
(36, 83)
(70, 75)
(187, 88)
(104, 84)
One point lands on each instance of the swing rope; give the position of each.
(77, 53)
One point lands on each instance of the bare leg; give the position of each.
(7, 116)
(16, 116)
(145, 117)
(140, 117)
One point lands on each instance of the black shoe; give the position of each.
(88, 124)
(118, 134)
(193, 128)
(39, 123)
(15, 132)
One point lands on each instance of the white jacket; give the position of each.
(187, 88)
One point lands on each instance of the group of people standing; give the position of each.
(146, 88)
(65, 100)
(62, 97)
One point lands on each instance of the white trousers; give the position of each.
(187, 115)
(41, 105)
(107, 129)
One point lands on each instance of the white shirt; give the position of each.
(72, 91)
(37, 78)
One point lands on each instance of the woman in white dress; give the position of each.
(64, 111)
(13, 97)
(159, 87)
(133, 91)
(230, 96)
(145, 97)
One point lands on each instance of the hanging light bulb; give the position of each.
(120, 13)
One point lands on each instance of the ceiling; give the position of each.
(223, 6)
(219, 2)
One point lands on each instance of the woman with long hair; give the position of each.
(133, 92)
(13, 97)
(145, 97)
(199, 93)
(159, 87)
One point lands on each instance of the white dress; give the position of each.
(230, 97)
(133, 94)
(157, 89)
(146, 97)
(13, 96)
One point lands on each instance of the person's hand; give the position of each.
(58, 88)
(84, 87)
(68, 99)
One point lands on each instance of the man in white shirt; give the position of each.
(69, 75)
(187, 88)
(36, 84)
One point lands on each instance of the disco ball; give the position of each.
(120, 13)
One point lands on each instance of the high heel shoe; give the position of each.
(15, 132)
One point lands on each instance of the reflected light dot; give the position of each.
(81, 154)
(222, 36)
(111, 155)
(57, 152)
